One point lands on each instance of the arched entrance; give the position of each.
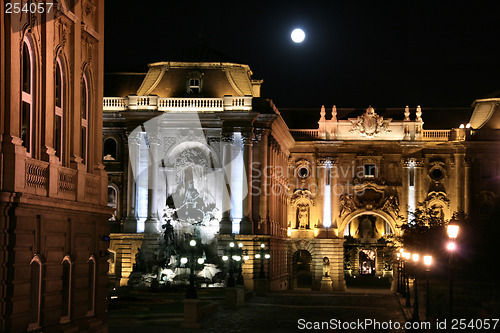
(366, 262)
(302, 269)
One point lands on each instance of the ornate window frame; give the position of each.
(194, 83)
(84, 117)
(67, 318)
(92, 285)
(59, 109)
(28, 95)
(37, 260)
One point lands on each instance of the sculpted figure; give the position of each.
(326, 267)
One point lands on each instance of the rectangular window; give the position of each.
(412, 176)
(370, 170)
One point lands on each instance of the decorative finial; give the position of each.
(322, 112)
(407, 113)
(334, 113)
(419, 113)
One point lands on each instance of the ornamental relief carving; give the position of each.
(370, 124)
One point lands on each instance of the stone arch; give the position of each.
(348, 218)
(294, 248)
(176, 149)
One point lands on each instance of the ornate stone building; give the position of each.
(53, 187)
(356, 175)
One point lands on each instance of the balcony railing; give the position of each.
(156, 103)
(436, 135)
(304, 133)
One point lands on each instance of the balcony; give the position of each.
(155, 103)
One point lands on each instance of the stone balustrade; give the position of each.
(53, 180)
(155, 103)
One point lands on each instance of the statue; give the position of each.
(391, 205)
(326, 267)
(347, 204)
(303, 216)
(140, 263)
(191, 207)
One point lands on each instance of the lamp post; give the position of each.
(398, 258)
(428, 263)
(415, 316)
(452, 231)
(407, 256)
(192, 260)
(262, 254)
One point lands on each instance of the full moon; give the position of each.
(298, 35)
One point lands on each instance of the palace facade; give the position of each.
(53, 187)
(192, 141)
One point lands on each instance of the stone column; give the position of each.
(420, 189)
(467, 199)
(263, 206)
(130, 223)
(404, 200)
(151, 224)
(460, 184)
(246, 223)
(226, 224)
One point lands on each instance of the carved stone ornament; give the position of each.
(370, 124)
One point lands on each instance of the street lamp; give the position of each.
(452, 230)
(262, 254)
(235, 253)
(407, 256)
(428, 263)
(192, 260)
(415, 316)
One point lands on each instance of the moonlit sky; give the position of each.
(356, 53)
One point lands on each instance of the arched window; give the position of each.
(60, 101)
(66, 291)
(35, 293)
(113, 200)
(84, 115)
(110, 150)
(91, 286)
(28, 96)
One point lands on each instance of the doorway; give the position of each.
(302, 268)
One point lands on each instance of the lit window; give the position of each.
(110, 153)
(27, 97)
(84, 114)
(59, 112)
(370, 170)
(194, 86)
(112, 200)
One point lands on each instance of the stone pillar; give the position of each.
(130, 223)
(459, 181)
(151, 224)
(226, 224)
(467, 165)
(246, 223)
(263, 206)
(404, 199)
(420, 189)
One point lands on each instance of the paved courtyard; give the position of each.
(281, 312)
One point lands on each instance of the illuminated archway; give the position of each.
(349, 218)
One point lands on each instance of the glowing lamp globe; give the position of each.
(192, 242)
(428, 260)
(452, 230)
(298, 35)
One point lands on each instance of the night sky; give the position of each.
(356, 53)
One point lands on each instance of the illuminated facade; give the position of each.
(355, 176)
(53, 186)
